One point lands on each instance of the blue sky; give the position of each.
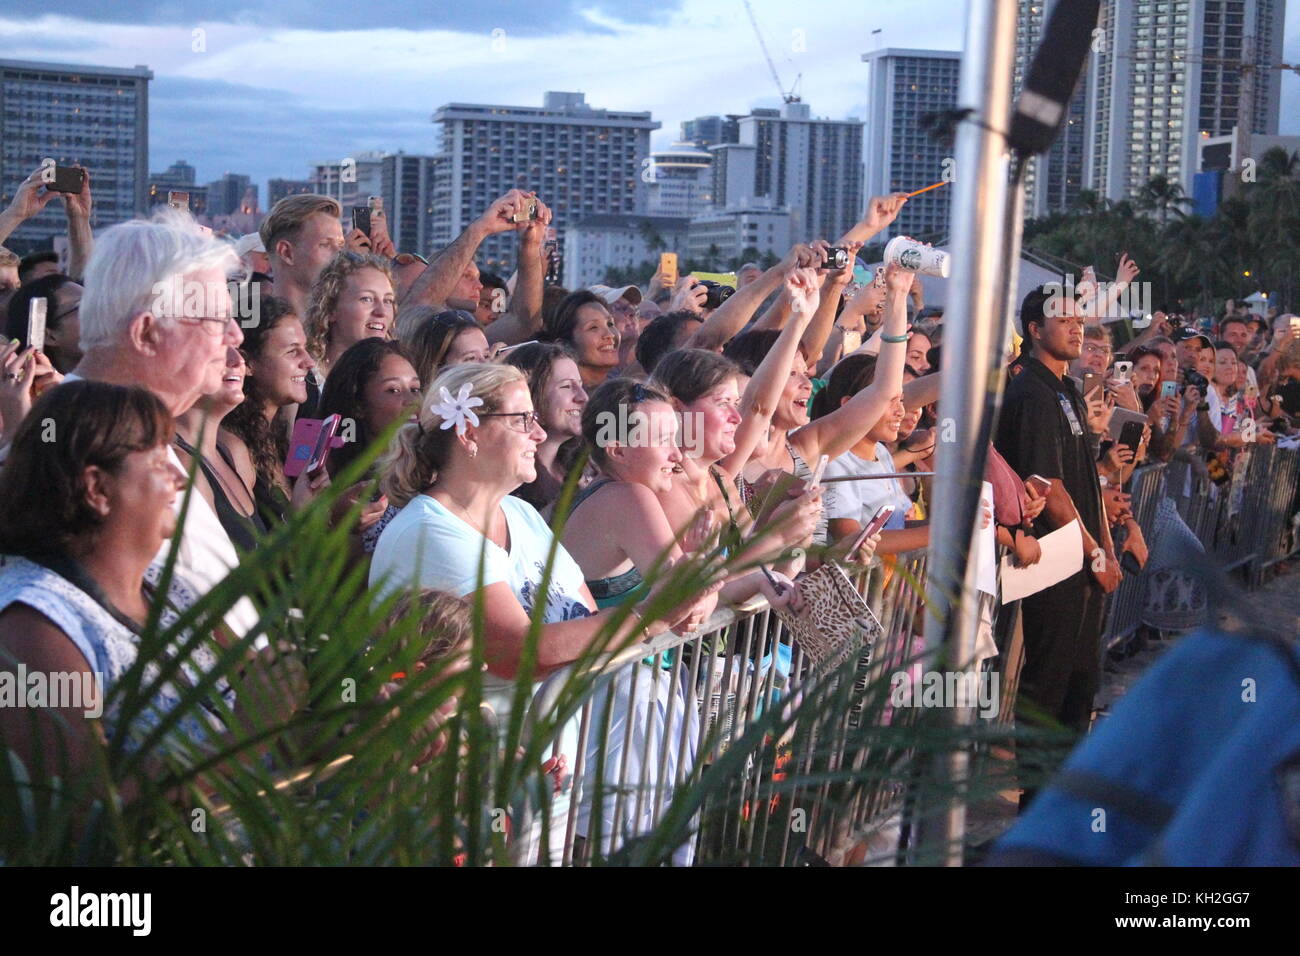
(274, 88)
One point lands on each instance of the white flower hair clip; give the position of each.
(457, 412)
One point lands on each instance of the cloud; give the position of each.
(528, 18)
(228, 127)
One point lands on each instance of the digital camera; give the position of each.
(717, 294)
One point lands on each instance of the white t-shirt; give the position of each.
(860, 500)
(428, 546)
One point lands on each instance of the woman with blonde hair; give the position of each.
(459, 530)
(351, 300)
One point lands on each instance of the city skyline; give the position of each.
(270, 97)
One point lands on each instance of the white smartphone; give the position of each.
(1122, 370)
(36, 324)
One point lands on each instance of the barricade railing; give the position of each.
(662, 713)
(1124, 609)
(1244, 524)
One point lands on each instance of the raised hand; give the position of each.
(1127, 270)
(804, 289)
(882, 211)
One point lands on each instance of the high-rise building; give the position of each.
(178, 174)
(351, 180)
(722, 236)
(734, 173)
(230, 194)
(681, 182)
(92, 116)
(810, 167)
(1167, 73)
(277, 189)
(178, 177)
(594, 244)
(1052, 180)
(708, 131)
(581, 161)
(906, 85)
(406, 183)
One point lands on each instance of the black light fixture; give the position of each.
(1041, 107)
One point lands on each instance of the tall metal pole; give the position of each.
(972, 333)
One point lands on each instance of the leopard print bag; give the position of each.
(835, 623)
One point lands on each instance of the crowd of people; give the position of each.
(651, 424)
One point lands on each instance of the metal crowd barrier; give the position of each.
(1124, 608)
(1244, 524)
(692, 698)
(664, 713)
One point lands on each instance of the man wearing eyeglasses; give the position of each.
(156, 313)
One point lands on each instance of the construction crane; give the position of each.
(791, 96)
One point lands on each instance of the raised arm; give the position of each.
(438, 281)
(763, 392)
(833, 284)
(880, 215)
(81, 241)
(524, 319)
(730, 317)
(837, 432)
(29, 200)
(776, 314)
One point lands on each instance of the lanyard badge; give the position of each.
(1068, 408)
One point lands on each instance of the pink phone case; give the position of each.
(302, 445)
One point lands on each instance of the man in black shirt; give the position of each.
(1043, 431)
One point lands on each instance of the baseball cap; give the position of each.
(1183, 334)
(610, 296)
(249, 243)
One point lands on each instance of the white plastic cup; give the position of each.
(906, 253)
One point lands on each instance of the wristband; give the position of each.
(893, 339)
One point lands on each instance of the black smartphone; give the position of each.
(1129, 564)
(361, 219)
(67, 179)
(1131, 435)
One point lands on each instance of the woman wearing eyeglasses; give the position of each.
(451, 474)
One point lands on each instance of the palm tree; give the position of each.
(1273, 219)
(1162, 196)
(1185, 248)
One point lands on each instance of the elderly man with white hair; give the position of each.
(156, 313)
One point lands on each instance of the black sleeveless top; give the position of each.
(243, 530)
